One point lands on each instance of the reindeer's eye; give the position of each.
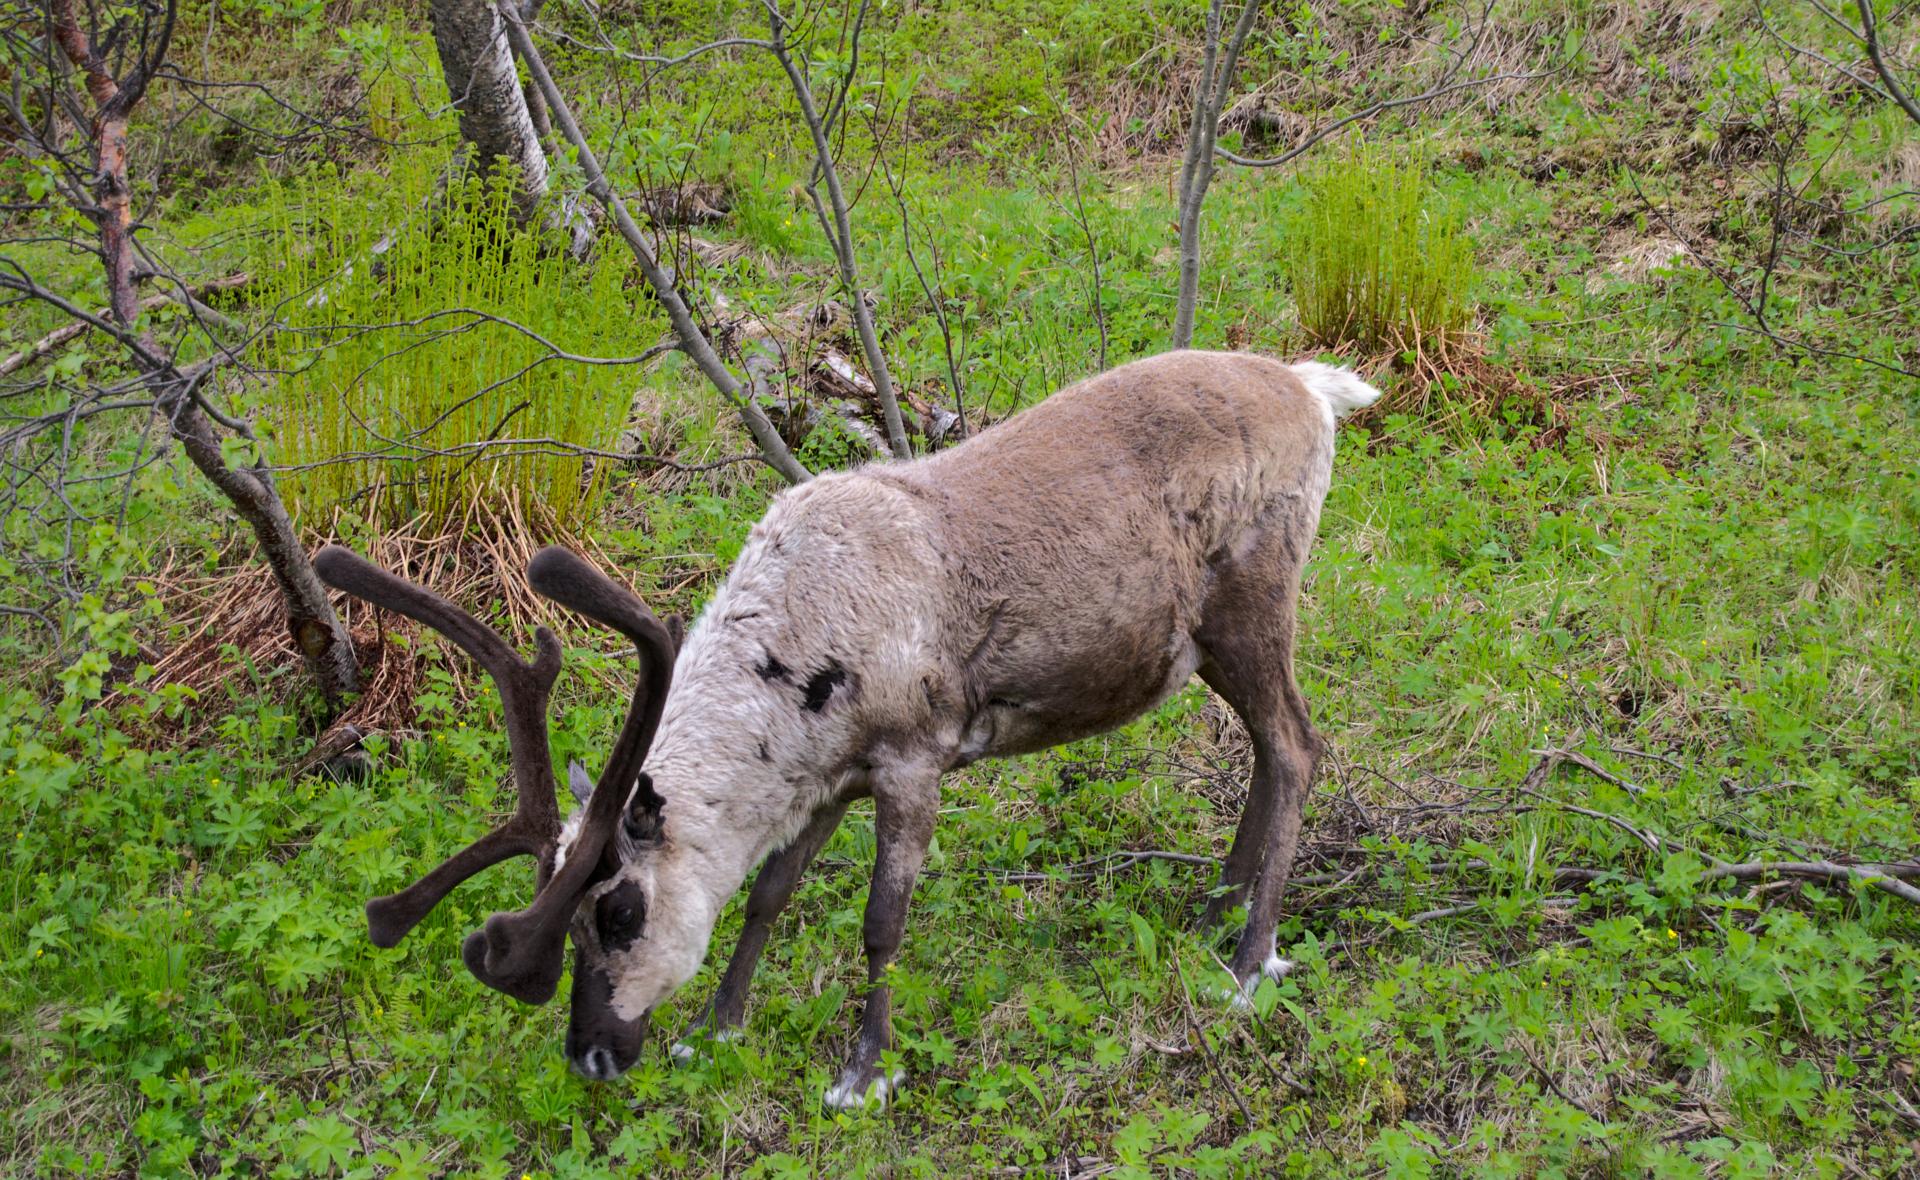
(622, 915)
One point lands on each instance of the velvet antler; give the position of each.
(524, 688)
(512, 946)
(519, 953)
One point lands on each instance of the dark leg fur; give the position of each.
(904, 810)
(779, 876)
(1252, 668)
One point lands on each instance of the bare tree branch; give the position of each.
(316, 630)
(1196, 167)
(936, 299)
(693, 341)
(52, 341)
(839, 230)
(1870, 36)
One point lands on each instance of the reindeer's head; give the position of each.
(593, 874)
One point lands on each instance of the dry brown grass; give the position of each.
(232, 619)
(1449, 382)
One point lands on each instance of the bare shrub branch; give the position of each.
(693, 341)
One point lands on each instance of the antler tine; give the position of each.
(571, 581)
(520, 953)
(524, 688)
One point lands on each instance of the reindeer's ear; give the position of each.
(579, 782)
(644, 822)
(677, 630)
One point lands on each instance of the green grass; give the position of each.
(430, 367)
(1705, 580)
(1375, 260)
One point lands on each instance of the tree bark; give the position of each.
(494, 120)
(499, 120)
(316, 630)
(1196, 168)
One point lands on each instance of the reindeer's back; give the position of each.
(1080, 536)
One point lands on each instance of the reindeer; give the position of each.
(1049, 579)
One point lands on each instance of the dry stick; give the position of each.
(1194, 1031)
(1887, 878)
(840, 231)
(896, 185)
(1093, 247)
(1591, 767)
(1650, 756)
(42, 347)
(935, 298)
(693, 341)
(1653, 842)
(1835, 66)
(401, 451)
(1112, 861)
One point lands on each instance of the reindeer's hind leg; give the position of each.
(779, 876)
(1248, 639)
(1249, 838)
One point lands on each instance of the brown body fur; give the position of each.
(1084, 540)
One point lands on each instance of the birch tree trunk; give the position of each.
(496, 120)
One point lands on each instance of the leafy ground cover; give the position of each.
(1570, 661)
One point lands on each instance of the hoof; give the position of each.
(849, 1094)
(684, 1051)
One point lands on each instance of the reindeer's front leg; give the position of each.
(905, 805)
(779, 876)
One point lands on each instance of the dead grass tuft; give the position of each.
(233, 625)
(1449, 382)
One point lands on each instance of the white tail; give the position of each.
(1341, 389)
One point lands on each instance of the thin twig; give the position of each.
(839, 230)
(1194, 1031)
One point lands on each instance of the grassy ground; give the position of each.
(1696, 572)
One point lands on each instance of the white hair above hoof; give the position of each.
(1238, 994)
(684, 1052)
(847, 1094)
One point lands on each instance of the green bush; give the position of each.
(1374, 260)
